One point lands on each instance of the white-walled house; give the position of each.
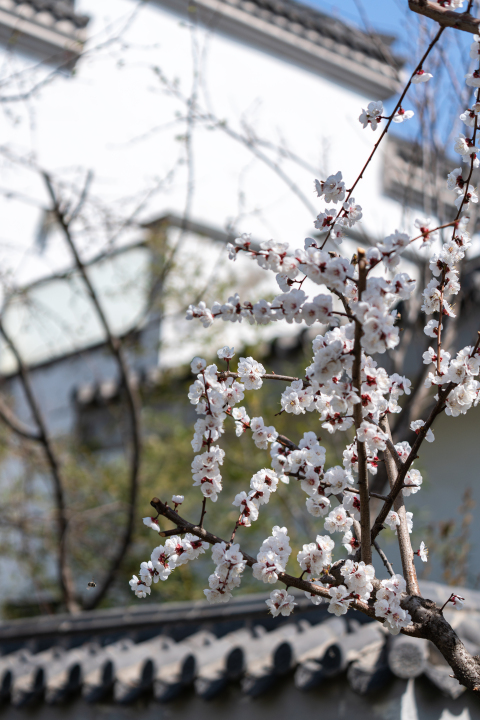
(276, 92)
(206, 119)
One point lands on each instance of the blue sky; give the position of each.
(386, 16)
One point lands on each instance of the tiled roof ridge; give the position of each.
(250, 656)
(59, 9)
(326, 25)
(192, 612)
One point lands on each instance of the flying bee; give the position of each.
(91, 584)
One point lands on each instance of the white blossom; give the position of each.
(421, 77)
(140, 589)
(250, 372)
(332, 189)
(152, 523)
(338, 521)
(226, 353)
(401, 115)
(392, 520)
(473, 79)
(280, 603)
(422, 552)
(340, 602)
(371, 116)
(197, 365)
(457, 601)
(416, 426)
(318, 505)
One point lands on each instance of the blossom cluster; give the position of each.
(262, 484)
(387, 604)
(164, 559)
(280, 603)
(227, 576)
(272, 556)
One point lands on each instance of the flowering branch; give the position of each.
(389, 122)
(183, 526)
(267, 376)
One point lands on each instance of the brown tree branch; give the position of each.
(387, 126)
(16, 425)
(445, 18)
(404, 543)
(288, 580)
(66, 581)
(269, 376)
(366, 550)
(384, 558)
(432, 626)
(133, 402)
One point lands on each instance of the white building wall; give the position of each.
(102, 119)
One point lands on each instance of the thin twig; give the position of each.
(204, 512)
(16, 425)
(169, 533)
(387, 126)
(268, 376)
(436, 410)
(384, 558)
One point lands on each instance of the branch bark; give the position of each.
(445, 18)
(406, 551)
(365, 548)
(433, 626)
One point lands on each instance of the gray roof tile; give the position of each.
(255, 651)
(58, 10)
(306, 20)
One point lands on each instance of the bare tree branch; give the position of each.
(16, 425)
(66, 582)
(384, 558)
(133, 403)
